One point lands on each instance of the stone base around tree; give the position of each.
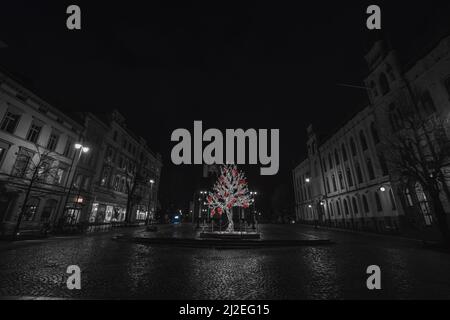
(237, 235)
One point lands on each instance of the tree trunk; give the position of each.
(230, 227)
(441, 216)
(22, 211)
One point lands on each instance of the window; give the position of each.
(428, 103)
(353, 147)
(384, 84)
(375, 137)
(22, 163)
(34, 132)
(349, 177)
(341, 180)
(31, 209)
(327, 184)
(378, 202)
(391, 197)
(3, 149)
(61, 175)
(344, 153)
(394, 118)
(336, 157)
(68, 150)
(116, 183)
(346, 209)
(52, 142)
(330, 161)
(363, 141)
(86, 183)
(10, 121)
(424, 204)
(333, 179)
(370, 169)
(331, 209)
(383, 164)
(355, 205)
(78, 181)
(105, 175)
(359, 174)
(338, 207)
(324, 165)
(365, 204)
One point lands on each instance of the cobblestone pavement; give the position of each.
(117, 269)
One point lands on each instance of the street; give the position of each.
(120, 269)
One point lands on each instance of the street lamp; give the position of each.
(150, 198)
(308, 180)
(81, 149)
(382, 188)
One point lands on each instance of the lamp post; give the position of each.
(253, 212)
(200, 208)
(80, 149)
(150, 198)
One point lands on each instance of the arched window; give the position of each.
(331, 209)
(344, 153)
(384, 84)
(336, 157)
(362, 138)
(338, 207)
(349, 177)
(355, 205)
(365, 204)
(378, 202)
(359, 174)
(383, 164)
(341, 180)
(375, 136)
(370, 169)
(394, 118)
(346, 209)
(333, 180)
(353, 147)
(31, 209)
(428, 103)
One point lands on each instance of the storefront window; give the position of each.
(94, 212)
(109, 213)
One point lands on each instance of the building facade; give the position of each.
(347, 180)
(36, 155)
(127, 173)
(70, 172)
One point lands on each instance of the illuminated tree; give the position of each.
(230, 190)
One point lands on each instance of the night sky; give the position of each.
(242, 65)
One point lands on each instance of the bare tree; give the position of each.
(134, 182)
(417, 148)
(34, 167)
